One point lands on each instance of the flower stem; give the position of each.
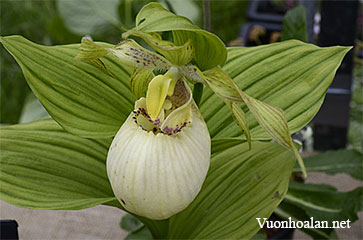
(197, 93)
(206, 15)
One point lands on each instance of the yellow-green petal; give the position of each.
(92, 52)
(177, 55)
(240, 118)
(210, 51)
(139, 80)
(191, 73)
(271, 118)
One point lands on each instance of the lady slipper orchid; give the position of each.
(159, 158)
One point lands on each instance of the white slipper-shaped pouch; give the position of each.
(157, 166)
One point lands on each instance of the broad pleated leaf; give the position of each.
(218, 145)
(291, 75)
(209, 49)
(333, 162)
(44, 167)
(286, 210)
(81, 97)
(324, 202)
(241, 185)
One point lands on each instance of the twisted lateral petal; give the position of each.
(132, 54)
(271, 118)
(128, 52)
(156, 175)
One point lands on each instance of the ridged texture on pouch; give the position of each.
(157, 176)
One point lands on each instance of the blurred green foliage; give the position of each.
(355, 134)
(227, 17)
(27, 18)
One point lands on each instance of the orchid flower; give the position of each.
(159, 158)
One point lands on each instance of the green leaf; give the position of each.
(294, 25)
(355, 136)
(137, 229)
(291, 75)
(130, 223)
(241, 185)
(83, 99)
(44, 167)
(260, 235)
(218, 145)
(209, 49)
(88, 17)
(141, 234)
(286, 210)
(324, 203)
(332, 162)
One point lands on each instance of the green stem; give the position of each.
(127, 12)
(206, 15)
(197, 93)
(198, 87)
